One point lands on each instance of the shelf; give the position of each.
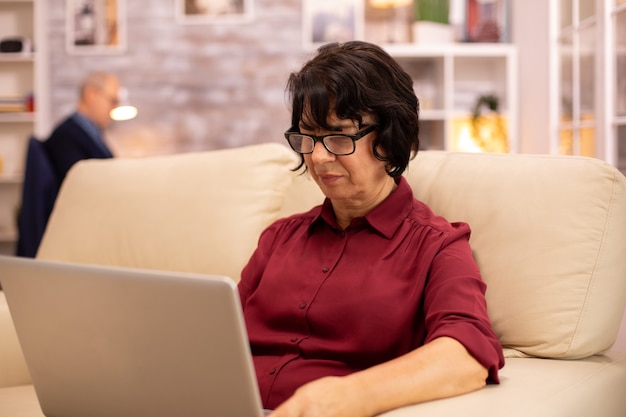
(21, 74)
(11, 179)
(13, 117)
(7, 237)
(414, 50)
(17, 56)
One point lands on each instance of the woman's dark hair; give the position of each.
(359, 78)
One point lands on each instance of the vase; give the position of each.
(425, 32)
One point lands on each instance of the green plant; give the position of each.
(488, 100)
(432, 10)
(488, 130)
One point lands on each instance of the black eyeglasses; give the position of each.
(337, 144)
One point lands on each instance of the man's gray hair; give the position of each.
(96, 79)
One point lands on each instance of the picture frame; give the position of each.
(194, 12)
(327, 21)
(95, 26)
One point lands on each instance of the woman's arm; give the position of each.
(439, 369)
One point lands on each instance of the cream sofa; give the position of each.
(548, 233)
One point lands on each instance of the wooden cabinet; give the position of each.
(449, 79)
(23, 98)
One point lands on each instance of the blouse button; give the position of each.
(324, 269)
(302, 306)
(272, 371)
(294, 339)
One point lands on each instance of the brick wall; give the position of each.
(197, 87)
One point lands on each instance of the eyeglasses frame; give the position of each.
(366, 131)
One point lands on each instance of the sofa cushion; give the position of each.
(548, 235)
(200, 212)
(302, 195)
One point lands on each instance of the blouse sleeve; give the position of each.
(455, 304)
(253, 271)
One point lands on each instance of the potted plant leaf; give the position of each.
(488, 127)
(431, 23)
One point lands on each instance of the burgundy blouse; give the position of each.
(320, 301)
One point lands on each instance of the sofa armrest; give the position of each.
(540, 388)
(13, 369)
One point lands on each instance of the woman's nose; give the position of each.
(320, 153)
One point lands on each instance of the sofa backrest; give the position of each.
(196, 212)
(547, 231)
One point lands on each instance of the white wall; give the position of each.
(530, 24)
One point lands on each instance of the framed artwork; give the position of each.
(95, 26)
(213, 11)
(327, 21)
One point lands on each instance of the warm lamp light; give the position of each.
(482, 132)
(121, 113)
(387, 4)
(485, 134)
(124, 111)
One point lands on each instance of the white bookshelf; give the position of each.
(449, 78)
(21, 74)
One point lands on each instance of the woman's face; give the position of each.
(356, 180)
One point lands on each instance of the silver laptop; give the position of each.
(115, 342)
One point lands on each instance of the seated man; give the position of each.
(80, 135)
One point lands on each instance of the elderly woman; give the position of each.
(369, 301)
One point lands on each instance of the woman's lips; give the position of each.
(328, 179)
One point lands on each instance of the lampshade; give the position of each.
(387, 4)
(124, 111)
